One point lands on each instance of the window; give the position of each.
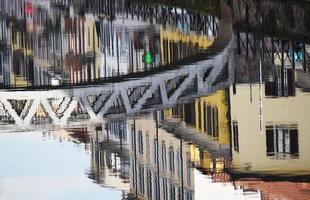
(133, 172)
(171, 159)
(282, 141)
(133, 142)
(140, 142)
(156, 189)
(164, 192)
(179, 160)
(215, 122)
(141, 179)
(180, 193)
(209, 120)
(147, 141)
(88, 36)
(149, 184)
(176, 112)
(281, 84)
(163, 156)
(212, 121)
(199, 115)
(188, 169)
(1, 65)
(205, 113)
(189, 195)
(123, 129)
(172, 192)
(189, 110)
(155, 151)
(236, 136)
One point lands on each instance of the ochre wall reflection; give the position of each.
(269, 134)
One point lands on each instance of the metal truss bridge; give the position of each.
(58, 106)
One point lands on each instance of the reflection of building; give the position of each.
(212, 116)
(275, 130)
(82, 44)
(77, 135)
(109, 156)
(282, 141)
(125, 45)
(281, 83)
(49, 43)
(5, 53)
(209, 116)
(24, 38)
(5, 62)
(177, 45)
(210, 164)
(160, 163)
(22, 58)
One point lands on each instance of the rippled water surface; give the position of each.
(166, 100)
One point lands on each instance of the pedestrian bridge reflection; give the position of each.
(93, 102)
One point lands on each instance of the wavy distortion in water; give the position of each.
(148, 100)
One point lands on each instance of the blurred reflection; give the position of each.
(110, 158)
(277, 127)
(163, 160)
(207, 117)
(149, 162)
(182, 134)
(282, 141)
(52, 43)
(141, 158)
(151, 156)
(269, 106)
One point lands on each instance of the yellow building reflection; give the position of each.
(212, 116)
(177, 44)
(209, 116)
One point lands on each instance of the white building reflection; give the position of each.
(276, 132)
(160, 163)
(145, 161)
(142, 160)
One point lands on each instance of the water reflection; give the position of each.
(110, 157)
(144, 160)
(278, 126)
(53, 43)
(160, 165)
(176, 104)
(142, 157)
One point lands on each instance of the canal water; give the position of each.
(167, 100)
